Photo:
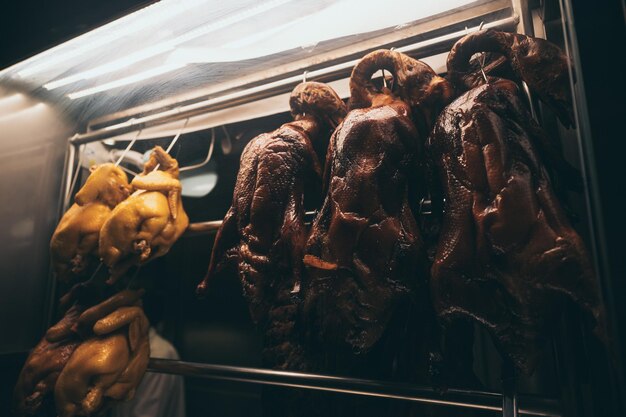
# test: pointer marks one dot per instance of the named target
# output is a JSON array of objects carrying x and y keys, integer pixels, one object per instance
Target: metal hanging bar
[
  {"x": 530, "y": 405},
  {"x": 420, "y": 49},
  {"x": 208, "y": 227}
]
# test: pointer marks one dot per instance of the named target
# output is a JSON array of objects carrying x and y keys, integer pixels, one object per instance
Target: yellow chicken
[
  {"x": 146, "y": 225},
  {"x": 37, "y": 381},
  {"x": 107, "y": 367},
  {"x": 75, "y": 240}
]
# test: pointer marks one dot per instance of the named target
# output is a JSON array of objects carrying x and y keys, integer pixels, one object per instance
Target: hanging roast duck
[
  {"x": 263, "y": 233},
  {"x": 506, "y": 251},
  {"x": 365, "y": 258}
]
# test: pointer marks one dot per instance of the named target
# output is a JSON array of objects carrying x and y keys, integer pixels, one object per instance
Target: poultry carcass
[
  {"x": 506, "y": 250},
  {"x": 365, "y": 259},
  {"x": 74, "y": 244},
  {"x": 539, "y": 63},
  {"x": 107, "y": 367},
  {"x": 263, "y": 233},
  {"x": 34, "y": 391},
  {"x": 146, "y": 225}
]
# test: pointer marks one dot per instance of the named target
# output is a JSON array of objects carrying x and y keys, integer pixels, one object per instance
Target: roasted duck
[
  {"x": 263, "y": 233},
  {"x": 148, "y": 223},
  {"x": 365, "y": 257},
  {"x": 506, "y": 252},
  {"x": 74, "y": 244},
  {"x": 35, "y": 387}
]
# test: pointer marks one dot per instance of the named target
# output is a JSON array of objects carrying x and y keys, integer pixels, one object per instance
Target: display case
[{"x": 201, "y": 79}]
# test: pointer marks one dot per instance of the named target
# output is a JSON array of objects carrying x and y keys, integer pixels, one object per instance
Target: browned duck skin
[
  {"x": 263, "y": 233},
  {"x": 365, "y": 257},
  {"x": 74, "y": 244},
  {"x": 506, "y": 251},
  {"x": 35, "y": 386},
  {"x": 541, "y": 64}
]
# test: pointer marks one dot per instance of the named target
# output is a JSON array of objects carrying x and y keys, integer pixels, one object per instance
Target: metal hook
[
  {"x": 304, "y": 76},
  {"x": 130, "y": 145},
  {"x": 208, "y": 157},
  {"x": 481, "y": 59},
  {"x": 173, "y": 142}
]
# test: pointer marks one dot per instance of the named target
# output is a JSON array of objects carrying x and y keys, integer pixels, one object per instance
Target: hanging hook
[
  {"x": 208, "y": 157},
  {"x": 304, "y": 76},
  {"x": 173, "y": 142},
  {"x": 481, "y": 57},
  {"x": 130, "y": 145}
]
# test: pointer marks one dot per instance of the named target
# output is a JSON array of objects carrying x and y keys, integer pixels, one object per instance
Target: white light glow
[
  {"x": 22, "y": 112},
  {"x": 167, "y": 46},
  {"x": 127, "y": 80},
  {"x": 151, "y": 16},
  {"x": 329, "y": 23},
  {"x": 12, "y": 99},
  {"x": 111, "y": 66}
]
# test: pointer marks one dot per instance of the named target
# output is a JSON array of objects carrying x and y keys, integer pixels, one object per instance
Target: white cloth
[{"x": 158, "y": 395}]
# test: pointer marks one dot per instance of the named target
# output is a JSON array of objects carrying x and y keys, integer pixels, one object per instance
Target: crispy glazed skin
[
  {"x": 146, "y": 225},
  {"x": 106, "y": 367},
  {"x": 75, "y": 240},
  {"x": 365, "y": 256},
  {"x": 506, "y": 249},
  {"x": 541, "y": 64},
  {"x": 263, "y": 233},
  {"x": 35, "y": 386}
]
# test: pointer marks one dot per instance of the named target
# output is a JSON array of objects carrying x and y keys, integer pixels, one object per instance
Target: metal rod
[
  {"x": 509, "y": 391},
  {"x": 420, "y": 49},
  {"x": 208, "y": 227},
  {"x": 531, "y": 405}
]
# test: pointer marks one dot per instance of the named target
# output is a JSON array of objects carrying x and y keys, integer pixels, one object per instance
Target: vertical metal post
[
  {"x": 509, "y": 390},
  {"x": 525, "y": 25}
]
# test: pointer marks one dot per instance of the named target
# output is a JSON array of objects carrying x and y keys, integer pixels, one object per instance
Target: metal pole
[{"x": 533, "y": 406}]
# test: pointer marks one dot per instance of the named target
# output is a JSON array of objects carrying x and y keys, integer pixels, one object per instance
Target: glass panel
[{"x": 180, "y": 45}]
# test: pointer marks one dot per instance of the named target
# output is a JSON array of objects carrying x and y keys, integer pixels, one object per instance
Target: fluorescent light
[
  {"x": 230, "y": 20},
  {"x": 167, "y": 45},
  {"x": 158, "y": 13},
  {"x": 127, "y": 80},
  {"x": 111, "y": 66}
]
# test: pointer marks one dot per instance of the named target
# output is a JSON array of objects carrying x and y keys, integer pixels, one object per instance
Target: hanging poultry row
[
  {"x": 361, "y": 288},
  {"x": 364, "y": 290},
  {"x": 97, "y": 354}
]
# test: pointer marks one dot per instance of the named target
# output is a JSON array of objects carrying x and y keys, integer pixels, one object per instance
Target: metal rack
[
  {"x": 508, "y": 402},
  {"x": 528, "y": 405}
]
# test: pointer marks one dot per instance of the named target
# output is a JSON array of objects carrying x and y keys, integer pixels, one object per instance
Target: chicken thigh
[
  {"x": 146, "y": 225},
  {"x": 74, "y": 244}
]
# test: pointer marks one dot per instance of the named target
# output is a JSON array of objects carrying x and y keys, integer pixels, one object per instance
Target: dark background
[{"x": 32, "y": 26}]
